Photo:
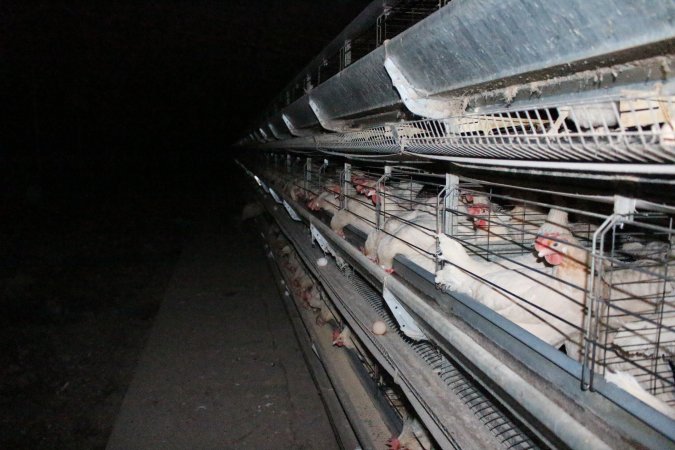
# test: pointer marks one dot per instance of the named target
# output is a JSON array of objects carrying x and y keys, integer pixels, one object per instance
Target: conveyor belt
[{"x": 504, "y": 429}]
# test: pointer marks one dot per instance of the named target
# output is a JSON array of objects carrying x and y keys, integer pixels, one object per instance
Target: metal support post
[
  {"x": 308, "y": 173},
  {"x": 380, "y": 207},
  {"x": 450, "y": 204},
  {"x": 345, "y": 189},
  {"x": 322, "y": 170}
]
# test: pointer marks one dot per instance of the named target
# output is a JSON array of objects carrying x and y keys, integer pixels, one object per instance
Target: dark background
[
  {"x": 114, "y": 148},
  {"x": 91, "y": 85}
]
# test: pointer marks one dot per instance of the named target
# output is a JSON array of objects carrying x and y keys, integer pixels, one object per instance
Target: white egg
[
  {"x": 321, "y": 262},
  {"x": 379, "y": 328}
]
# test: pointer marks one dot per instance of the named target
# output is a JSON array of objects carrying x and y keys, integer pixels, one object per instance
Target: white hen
[
  {"x": 547, "y": 307},
  {"x": 360, "y": 215},
  {"x": 374, "y": 238},
  {"x": 325, "y": 201},
  {"x": 629, "y": 384},
  {"x": 413, "y": 436},
  {"x": 414, "y": 238},
  {"x": 645, "y": 349},
  {"x": 590, "y": 116}
]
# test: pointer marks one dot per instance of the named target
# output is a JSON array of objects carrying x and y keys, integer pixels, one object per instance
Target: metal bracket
[
  {"x": 346, "y": 188},
  {"x": 624, "y": 206},
  {"x": 308, "y": 169},
  {"x": 394, "y": 134},
  {"x": 323, "y": 167},
  {"x": 325, "y": 246},
  {"x": 450, "y": 202},
  {"x": 319, "y": 239},
  {"x": 408, "y": 325},
  {"x": 379, "y": 220},
  {"x": 411, "y": 97},
  {"x": 291, "y": 212},
  {"x": 328, "y": 124},
  {"x": 295, "y": 131},
  {"x": 275, "y": 196}
]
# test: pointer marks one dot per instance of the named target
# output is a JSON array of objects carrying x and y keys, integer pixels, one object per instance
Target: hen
[
  {"x": 548, "y": 306},
  {"x": 413, "y": 437},
  {"x": 358, "y": 214},
  {"x": 414, "y": 238}
]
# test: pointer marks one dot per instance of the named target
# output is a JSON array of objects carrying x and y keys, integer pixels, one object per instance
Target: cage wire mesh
[
  {"x": 629, "y": 129},
  {"x": 403, "y": 15},
  {"x": 579, "y": 277},
  {"x": 633, "y": 325}
]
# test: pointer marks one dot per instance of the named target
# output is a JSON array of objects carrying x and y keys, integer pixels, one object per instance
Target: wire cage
[
  {"x": 627, "y": 129},
  {"x": 581, "y": 273},
  {"x": 363, "y": 44},
  {"x": 604, "y": 293},
  {"x": 393, "y": 21},
  {"x": 632, "y": 327},
  {"x": 407, "y": 218},
  {"x": 403, "y": 15},
  {"x": 379, "y": 139},
  {"x": 499, "y": 422}
]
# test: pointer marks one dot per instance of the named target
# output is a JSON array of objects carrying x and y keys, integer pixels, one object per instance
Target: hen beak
[
  {"x": 543, "y": 246},
  {"x": 481, "y": 223}
]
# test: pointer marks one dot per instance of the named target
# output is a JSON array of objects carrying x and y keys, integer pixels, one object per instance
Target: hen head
[
  {"x": 338, "y": 338},
  {"x": 394, "y": 444},
  {"x": 313, "y": 204},
  {"x": 479, "y": 211},
  {"x": 551, "y": 247},
  {"x": 334, "y": 188},
  {"x": 372, "y": 194},
  {"x": 360, "y": 184}
]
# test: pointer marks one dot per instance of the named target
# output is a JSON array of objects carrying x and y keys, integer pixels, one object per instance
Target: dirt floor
[
  {"x": 222, "y": 367},
  {"x": 85, "y": 264},
  {"x": 82, "y": 273}
]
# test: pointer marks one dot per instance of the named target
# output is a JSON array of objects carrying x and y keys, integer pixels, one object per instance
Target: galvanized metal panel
[
  {"x": 359, "y": 25},
  {"x": 360, "y": 89},
  {"x": 470, "y": 45},
  {"x": 300, "y": 114},
  {"x": 278, "y": 126}
]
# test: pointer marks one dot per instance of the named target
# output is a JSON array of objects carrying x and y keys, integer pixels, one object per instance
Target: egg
[
  {"x": 321, "y": 262},
  {"x": 379, "y": 328}
]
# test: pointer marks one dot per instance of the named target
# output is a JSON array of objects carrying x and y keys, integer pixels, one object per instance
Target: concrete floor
[{"x": 222, "y": 367}]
